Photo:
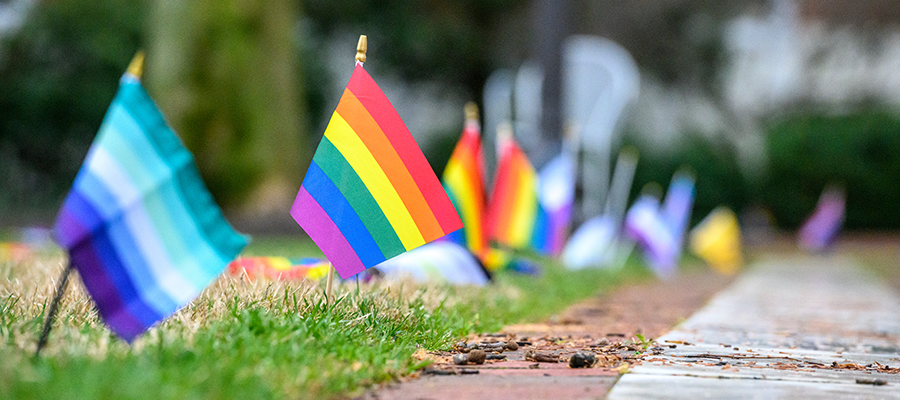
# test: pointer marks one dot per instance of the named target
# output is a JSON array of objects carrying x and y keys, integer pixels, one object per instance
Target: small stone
[
  {"x": 602, "y": 342},
  {"x": 512, "y": 345},
  {"x": 532, "y": 355},
  {"x": 582, "y": 359},
  {"x": 492, "y": 356},
  {"x": 460, "y": 359},
  {"x": 477, "y": 356}
]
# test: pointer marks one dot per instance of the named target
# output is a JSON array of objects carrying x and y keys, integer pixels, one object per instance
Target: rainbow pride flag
[
  {"x": 514, "y": 212},
  {"x": 139, "y": 225},
  {"x": 279, "y": 268},
  {"x": 369, "y": 193},
  {"x": 464, "y": 183}
]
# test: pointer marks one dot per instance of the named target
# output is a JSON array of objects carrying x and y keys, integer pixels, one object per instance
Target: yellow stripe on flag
[
  {"x": 358, "y": 156},
  {"x": 455, "y": 174},
  {"x": 524, "y": 211}
]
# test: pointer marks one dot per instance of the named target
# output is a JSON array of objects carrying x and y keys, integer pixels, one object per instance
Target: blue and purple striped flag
[{"x": 139, "y": 224}]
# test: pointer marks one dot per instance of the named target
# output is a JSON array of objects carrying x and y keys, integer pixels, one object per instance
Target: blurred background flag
[
  {"x": 369, "y": 193},
  {"x": 676, "y": 207},
  {"x": 279, "y": 268},
  {"x": 823, "y": 226},
  {"x": 463, "y": 180},
  {"x": 139, "y": 225},
  {"x": 514, "y": 212},
  {"x": 556, "y": 192},
  {"x": 590, "y": 244},
  {"x": 717, "y": 240},
  {"x": 645, "y": 225}
]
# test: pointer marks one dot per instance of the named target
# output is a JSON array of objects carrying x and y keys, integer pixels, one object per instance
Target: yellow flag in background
[{"x": 717, "y": 240}]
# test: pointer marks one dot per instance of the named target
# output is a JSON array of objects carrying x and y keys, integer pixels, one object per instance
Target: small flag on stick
[
  {"x": 823, "y": 226},
  {"x": 464, "y": 182},
  {"x": 645, "y": 225},
  {"x": 717, "y": 240},
  {"x": 139, "y": 224},
  {"x": 514, "y": 211},
  {"x": 369, "y": 193}
]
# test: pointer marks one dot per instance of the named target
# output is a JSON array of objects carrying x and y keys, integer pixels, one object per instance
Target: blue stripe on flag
[{"x": 347, "y": 220}]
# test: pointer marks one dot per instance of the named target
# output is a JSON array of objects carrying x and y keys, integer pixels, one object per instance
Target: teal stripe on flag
[
  {"x": 198, "y": 201},
  {"x": 152, "y": 179}
]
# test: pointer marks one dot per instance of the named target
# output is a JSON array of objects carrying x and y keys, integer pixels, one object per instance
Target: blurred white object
[
  {"x": 590, "y": 244},
  {"x": 600, "y": 79},
  {"x": 598, "y": 242},
  {"x": 440, "y": 261}
]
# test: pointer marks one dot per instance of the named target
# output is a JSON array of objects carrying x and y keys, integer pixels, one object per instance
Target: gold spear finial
[
  {"x": 361, "y": 48},
  {"x": 471, "y": 110},
  {"x": 136, "y": 67}
]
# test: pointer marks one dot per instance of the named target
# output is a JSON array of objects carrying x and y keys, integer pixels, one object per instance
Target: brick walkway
[{"x": 651, "y": 309}]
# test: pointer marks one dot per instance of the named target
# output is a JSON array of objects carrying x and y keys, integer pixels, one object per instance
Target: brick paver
[{"x": 650, "y": 308}]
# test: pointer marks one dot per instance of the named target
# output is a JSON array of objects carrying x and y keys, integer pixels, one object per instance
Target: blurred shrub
[
  {"x": 57, "y": 76},
  {"x": 719, "y": 180},
  {"x": 860, "y": 151}
]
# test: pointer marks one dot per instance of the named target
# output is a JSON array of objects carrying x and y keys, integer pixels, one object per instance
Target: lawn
[{"x": 262, "y": 339}]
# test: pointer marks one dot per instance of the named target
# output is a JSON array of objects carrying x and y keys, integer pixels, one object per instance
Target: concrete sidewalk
[{"x": 803, "y": 327}]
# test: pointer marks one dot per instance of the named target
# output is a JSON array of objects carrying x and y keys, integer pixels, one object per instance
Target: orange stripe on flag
[
  {"x": 375, "y": 140},
  {"x": 374, "y": 100}
]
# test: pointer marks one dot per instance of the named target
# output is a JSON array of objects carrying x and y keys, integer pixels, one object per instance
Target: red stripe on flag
[
  {"x": 373, "y": 99},
  {"x": 387, "y": 158}
]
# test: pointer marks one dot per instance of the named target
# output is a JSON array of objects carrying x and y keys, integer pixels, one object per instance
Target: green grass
[{"x": 263, "y": 339}]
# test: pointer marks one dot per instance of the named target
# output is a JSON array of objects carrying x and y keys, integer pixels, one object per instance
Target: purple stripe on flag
[
  {"x": 322, "y": 230},
  {"x": 97, "y": 261},
  {"x": 559, "y": 225},
  {"x": 102, "y": 289}
]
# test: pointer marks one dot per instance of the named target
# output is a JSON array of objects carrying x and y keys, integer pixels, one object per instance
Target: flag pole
[
  {"x": 361, "y": 48},
  {"x": 328, "y": 284},
  {"x": 54, "y": 307}
]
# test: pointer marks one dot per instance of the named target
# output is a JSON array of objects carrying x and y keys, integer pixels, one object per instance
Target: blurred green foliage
[
  {"x": 858, "y": 150},
  {"x": 444, "y": 40},
  {"x": 719, "y": 180},
  {"x": 225, "y": 73},
  {"x": 59, "y": 73},
  {"x": 57, "y": 76}
]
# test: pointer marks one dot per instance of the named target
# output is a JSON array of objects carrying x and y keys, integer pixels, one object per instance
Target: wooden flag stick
[
  {"x": 54, "y": 307},
  {"x": 328, "y": 284},
  {"x": 361, "y": 48}
]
